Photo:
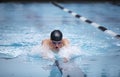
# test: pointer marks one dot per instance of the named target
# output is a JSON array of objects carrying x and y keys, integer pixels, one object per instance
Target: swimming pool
[{"x": 25, "y": 25}]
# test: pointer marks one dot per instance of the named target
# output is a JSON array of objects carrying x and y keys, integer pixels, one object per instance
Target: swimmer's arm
[
  {"x": 66, "y": 42},
  {"x": 44, "y": 42}
]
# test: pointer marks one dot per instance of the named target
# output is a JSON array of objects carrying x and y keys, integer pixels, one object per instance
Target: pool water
[{"x": 24, "y": 25}]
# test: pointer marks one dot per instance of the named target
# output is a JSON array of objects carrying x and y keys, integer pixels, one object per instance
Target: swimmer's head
[{"x": 56, "y": 35}]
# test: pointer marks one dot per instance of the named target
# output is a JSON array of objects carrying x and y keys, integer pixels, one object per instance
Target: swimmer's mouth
[{"x": 56, "y": 47}]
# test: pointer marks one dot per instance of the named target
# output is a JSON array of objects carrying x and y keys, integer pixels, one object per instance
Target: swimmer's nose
[{"x": 57, "y": 46}]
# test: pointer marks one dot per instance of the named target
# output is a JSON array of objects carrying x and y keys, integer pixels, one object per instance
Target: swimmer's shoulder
[
  {"x": 66, "y": 42},
  {"x": 45, "y": 41}
]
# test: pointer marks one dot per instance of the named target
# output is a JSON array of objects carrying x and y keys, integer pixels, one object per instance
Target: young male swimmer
[
  {"x": 55, "y": 43},
  {"x": 56, "y": 48}
]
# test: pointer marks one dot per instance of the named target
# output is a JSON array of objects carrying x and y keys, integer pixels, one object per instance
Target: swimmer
[{"x": 56, "y": 42}]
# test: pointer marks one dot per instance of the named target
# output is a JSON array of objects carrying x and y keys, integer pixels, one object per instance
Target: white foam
[
  {"x": 67, "y": 52},
  {"x": 7, "y": 52},
  {"x": 43, "y": 52},
  {"x": 70, "y": 51}
]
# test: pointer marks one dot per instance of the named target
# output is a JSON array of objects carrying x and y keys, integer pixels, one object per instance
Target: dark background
[
  {"x": 58, "y": 0},
  {"x": 116, "y": 2}
]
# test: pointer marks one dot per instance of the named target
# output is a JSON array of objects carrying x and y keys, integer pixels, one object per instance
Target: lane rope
[{"x": 84, "y": 19}]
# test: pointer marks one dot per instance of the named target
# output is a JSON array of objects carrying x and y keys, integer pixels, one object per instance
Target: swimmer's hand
[{"x": 65, "y": 60}]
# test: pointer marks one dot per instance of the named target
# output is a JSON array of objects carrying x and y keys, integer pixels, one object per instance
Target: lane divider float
[{"x": 84, "y": 19}]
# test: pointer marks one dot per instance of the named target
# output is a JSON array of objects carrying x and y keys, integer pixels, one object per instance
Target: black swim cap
[{"x": 56, "y": 35}]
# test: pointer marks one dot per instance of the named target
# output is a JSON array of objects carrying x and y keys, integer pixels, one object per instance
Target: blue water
[{"x": 23, "y": 26}]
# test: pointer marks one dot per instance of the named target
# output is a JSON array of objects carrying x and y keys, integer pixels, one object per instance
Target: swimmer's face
[{"x": 57, "y": 44}]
